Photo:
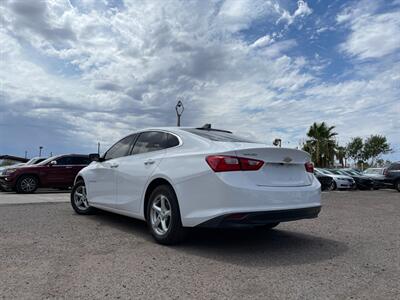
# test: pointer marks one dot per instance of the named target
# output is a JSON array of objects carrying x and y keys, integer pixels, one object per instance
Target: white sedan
[{"x": 174, "y": 178}]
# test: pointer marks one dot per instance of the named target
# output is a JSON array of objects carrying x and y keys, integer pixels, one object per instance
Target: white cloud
[
  {"x": 262, "y": 42},
  {"x": 373, "y": 36},
  {"x": 302, "y": 10}
]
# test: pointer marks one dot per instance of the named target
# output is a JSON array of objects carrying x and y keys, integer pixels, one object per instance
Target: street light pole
[
  {"x": 179, "y": 111},
  {"x": 278, "y": 142},
  {"x": 40, "y": 151}
]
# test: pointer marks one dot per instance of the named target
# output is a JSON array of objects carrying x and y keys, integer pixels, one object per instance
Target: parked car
[
  {"x": 54, "y": 172},
  {"x": 362, "y": 182},
  {"x": 392, "y": 175},
  {"x": 339, "y": 181},
  {"x": 377, "y": 174},
  {"x": 327, "y": 182},
  {"x": 174, "y": 178},
  {"x": 32, "y": 161}
]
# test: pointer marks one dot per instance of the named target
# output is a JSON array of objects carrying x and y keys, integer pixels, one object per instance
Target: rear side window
[
  {"x": 121, "y": 148},
  {"x": 172, "y": 141},
  {"x": 218, "y": 136},
  {"x": 150, "y": 141}
]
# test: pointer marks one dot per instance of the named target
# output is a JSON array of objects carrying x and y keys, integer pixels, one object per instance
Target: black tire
[
  {"x": 269, "y": 226},
  {"x": 79, "y": 203},
  {"x": 174, "y": 232},
  {"x": 27, "y": 184},
  {"x": 397, "y": 185},
  {"x": 332, "y": 186}
]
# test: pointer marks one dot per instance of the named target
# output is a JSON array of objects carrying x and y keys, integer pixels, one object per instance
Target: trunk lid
[{"x": 282, "y": 166}]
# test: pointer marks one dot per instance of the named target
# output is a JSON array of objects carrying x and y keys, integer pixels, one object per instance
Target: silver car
[{"x": 339, "y": 181}]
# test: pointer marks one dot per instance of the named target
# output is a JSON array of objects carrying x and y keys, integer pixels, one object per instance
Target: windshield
[
  {"x": 31, "y": 161},
  {"x": 46, "y": 161},
  {"x": 353, "y": 172},
  {"x": 337, "y": 172},
  {"x": 326, "y": 172},
  {"x": 35, "y": 160},
  {"x": 218, "y": 136},
  {"x": 374, "y": 171}
]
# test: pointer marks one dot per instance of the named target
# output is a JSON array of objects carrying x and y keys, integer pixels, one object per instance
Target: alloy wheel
[
  {"x": 160, "y": 215},
  {"x": 28, "y": 184},
  {"x": 80, "y": 198}
]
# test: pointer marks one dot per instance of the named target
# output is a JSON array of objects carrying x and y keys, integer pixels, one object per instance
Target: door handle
[
  {"x": 68, "y": 167},
  {"x": 149, "y": 162},
  {"x": 114, "y": 165}
]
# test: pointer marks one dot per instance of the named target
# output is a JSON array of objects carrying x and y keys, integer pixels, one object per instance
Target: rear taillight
[
  {"x": 222, "y": 163},
  {"x": 309, "y": 167}
]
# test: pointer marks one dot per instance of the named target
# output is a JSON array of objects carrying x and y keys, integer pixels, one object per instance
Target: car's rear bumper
[
  {"x": 211, "y": 195},
  {"x": 250, "y": 219}
]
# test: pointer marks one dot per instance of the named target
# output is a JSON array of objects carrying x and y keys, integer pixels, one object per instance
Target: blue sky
[{"x": 73, "y": 73}]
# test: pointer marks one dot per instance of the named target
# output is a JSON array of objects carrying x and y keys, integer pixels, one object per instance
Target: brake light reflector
[
  {"x": 223, "y": 163},
  {"x": 250, "y": 164},
  {"x": 309, "y": 167}
]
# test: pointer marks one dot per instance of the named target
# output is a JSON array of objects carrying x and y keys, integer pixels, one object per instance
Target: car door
[
  {"x": 59, "y": 173},
  {"x": 101, "y": 178},
  {"x": 134, "y": 171}
]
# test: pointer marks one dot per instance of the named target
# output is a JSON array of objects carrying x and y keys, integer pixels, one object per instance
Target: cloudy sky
[{"x": 73, "y": 73}]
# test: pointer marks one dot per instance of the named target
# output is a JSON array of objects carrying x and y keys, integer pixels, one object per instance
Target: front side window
[
  {"x": 150, "y": 141},
  {"x": 64, "y": 161},
  {"x": 80, "y": 160},
  {"x": 121, "y": 148}
]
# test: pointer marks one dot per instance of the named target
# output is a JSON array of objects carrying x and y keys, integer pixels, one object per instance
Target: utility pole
[
  {"x": 40, "y": 151},
  {"x": 98, "y": 148},
  {"x": 179, "y": 111},
  {"x": 26, "y": 154}
]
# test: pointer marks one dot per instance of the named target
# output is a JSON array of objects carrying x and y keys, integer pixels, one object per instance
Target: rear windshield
[{"x": 218, "y": 136}]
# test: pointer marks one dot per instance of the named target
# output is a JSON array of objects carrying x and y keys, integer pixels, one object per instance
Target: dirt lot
[{"x": 350, "y": 252}]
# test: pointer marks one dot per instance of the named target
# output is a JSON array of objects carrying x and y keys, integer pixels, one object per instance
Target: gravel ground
[{"x": 350, "y": 252}]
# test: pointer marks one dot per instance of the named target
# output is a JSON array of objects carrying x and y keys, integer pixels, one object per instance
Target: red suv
[{"x": 54, "y": 172}]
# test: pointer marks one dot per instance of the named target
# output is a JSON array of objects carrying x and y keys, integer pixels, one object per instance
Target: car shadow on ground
[
  {"x": 41, "y": 191},
  {"x": 257, "y": 247},
  {"x": 248, "y": 247}
]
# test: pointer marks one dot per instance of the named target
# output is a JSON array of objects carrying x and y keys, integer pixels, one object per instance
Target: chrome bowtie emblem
[{"x": 287, "y": 159}]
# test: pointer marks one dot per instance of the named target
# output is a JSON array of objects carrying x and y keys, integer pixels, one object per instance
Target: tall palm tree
[
  {"x": 341, "y": 155},
  {"x": 321, "y": 144}
]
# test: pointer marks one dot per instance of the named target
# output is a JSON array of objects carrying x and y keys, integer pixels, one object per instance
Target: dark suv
[
  {"x": 54, "y": 172},
  {"x": 392, "y": 175}
]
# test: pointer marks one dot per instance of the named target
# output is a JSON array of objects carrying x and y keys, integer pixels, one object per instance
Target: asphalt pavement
[{"x": 350, "y": 252}]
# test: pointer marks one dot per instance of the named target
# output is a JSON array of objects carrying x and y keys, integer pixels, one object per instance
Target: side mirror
[
  {"x": 53, "y": 163},
  {"x": 94, "y": 157}
]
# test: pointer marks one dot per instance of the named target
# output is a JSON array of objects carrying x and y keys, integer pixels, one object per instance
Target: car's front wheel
[
  {"x": 332, "y": 186},
  {"x": 163, "y": 216},
  {"x": 27, "y": 184},
  {"x": 79, "y": 199}
]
